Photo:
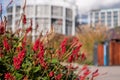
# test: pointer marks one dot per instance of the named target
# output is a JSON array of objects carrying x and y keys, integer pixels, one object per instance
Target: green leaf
[
  {"x": 45, "y": 78},
  {"x": 36, "y": 69},
  {"x": 18, "y": 76},
  {"x": 55, "y": 60}
]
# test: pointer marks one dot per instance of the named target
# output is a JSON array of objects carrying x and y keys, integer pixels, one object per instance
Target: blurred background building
[
  {"x": 107, "y": 17},
  {"x": 44, "y": 13}
]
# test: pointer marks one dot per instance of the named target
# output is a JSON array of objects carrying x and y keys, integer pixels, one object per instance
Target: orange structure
[{"x": 100, "y": 55}]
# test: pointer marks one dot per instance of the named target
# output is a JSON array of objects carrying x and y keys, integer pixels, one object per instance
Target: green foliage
[{"x": 30, "y": 66}]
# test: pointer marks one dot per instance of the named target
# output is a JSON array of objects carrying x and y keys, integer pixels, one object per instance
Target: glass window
[
  {"x": 69, "y": 14},
  {"x": 29, "y": 10},
  {"x": 68, "y": 27},
  {"x": 115, "y": 12},
  {"x": 9, "y": 17},
  {"x": 91, "y": 15},
  {"x": 9, "y": 9},
  {"x": 96, "y": 14},
  {"x": 96, "y": 17},
  {"x": 108, "y": 13},
  {"x": 17, "y": 15},
  {"x": 57, "y": 25},
  {"x": 57, "y": 11},
  {"x": 102, "y": 15},
  {"x": 43, "y": 24},
  {"x": 43, "y": 10},
  {"x": 115, "y": 22},
  {"x": 109, "y": 19},
  {"x": 18, "y": 9}
]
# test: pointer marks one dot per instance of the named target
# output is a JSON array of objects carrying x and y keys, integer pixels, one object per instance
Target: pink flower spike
[
  {"x": 8, "y": 76},
  {"x": 51, "y": 74}
]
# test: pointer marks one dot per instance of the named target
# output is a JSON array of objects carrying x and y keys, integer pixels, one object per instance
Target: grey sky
[
  {"x": 92, "y": 4},
  {"x": 85, "y": 5}
]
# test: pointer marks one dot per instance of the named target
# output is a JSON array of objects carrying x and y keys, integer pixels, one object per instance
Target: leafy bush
[{"x": 20, "y": 59}]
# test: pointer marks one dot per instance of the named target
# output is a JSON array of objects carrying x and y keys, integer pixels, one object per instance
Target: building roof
[
  {"x": 50, "y": 2},
  {"x": 104, "y": 10}
]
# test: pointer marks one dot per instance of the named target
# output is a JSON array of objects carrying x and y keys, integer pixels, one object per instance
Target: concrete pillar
[
  {"x": 50, "y": 17},
  {"x": 34, "y": 23},
  {"x": 112, "y": 23},
  {"x": 93, "y": 19},
  {"x": 89, "y": 18},
  {"x": 64, "y": 21},
  {"x": 13, "y": 17},
  {"x": 73, "y": 21},
  {"x": 118, "y": 17},
  {"x": 106, "y": 24}
]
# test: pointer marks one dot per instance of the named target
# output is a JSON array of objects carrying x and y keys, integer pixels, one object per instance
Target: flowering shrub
[{"x": 24, "y": 60}]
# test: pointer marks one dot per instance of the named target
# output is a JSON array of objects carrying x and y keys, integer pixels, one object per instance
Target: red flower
[
  {"x": 51, "y": 74},
  {"x": 75, "y": 54},
  {"x": 84, "y": 67},
  {"x": 29, "y": 29},
  {"x": 2, "y": 28},
  {"x": 63, "y": 49},
  {"x": 75, "y": 41},
  {"x": 82, "y": 77},
  {"x": 95, "y": 73},
  {"x": 8, "y": 76},
  {"x": 87, "y": 72},
  {"x": 21, "y": 55},
  {"x": 43, "y": 63},
  {"x": 17, "y": 61},
  {"x": 70, "y": 59},
  {"x": 6, "y": 45},
  {"x": 83, "y": 56},
  {"x": 24, "y": 20},
  {"x": 1, "y": 55},
  {"x": 18, "y": 49},
  {"x": 77, "y": 49},
  {"x": 63, "y": 45},
  {"x": 24, "y": 41},
  {"x": 59, "y": 53},
  {"x": 25, "y": 78},
  {"x": 58, "y": 77},
  {"x": 41, "y": 53},
  {"x": 36, "y": 45}
]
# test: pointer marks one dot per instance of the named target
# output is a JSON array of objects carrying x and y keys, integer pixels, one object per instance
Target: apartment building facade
[
  {"x": 107, "y": 17},
  {"x": 45, "y": 13}
]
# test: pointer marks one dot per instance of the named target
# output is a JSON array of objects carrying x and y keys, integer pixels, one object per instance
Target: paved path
[
  {"x": 110, "y": 72},
  {"x": 106, "y": 72}
]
